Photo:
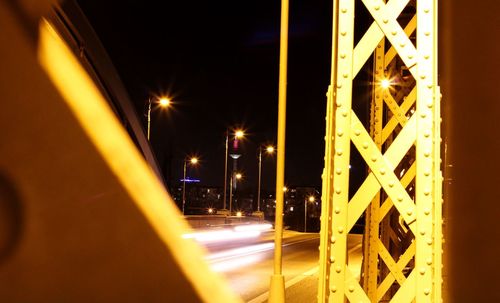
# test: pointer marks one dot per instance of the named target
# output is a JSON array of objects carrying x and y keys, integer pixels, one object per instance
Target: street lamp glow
[
  {"x": 239, "y": 134},
  {"x": 193, "y": 160},
  {"x": 164, "y": 102},
  {"x": 385, "y": 83},
  {"x": 270, "y": 149},
  {"x": 238, "y": 176},
  {"x": 238, "y": 214},
  {"x": 285, "y": 189},
  {"x": 311, "y": 198}
]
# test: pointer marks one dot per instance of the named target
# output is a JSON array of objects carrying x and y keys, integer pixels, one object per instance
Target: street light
[
  {"x": 235, "y": 176},
  {"x": 163, "y": 102},
  {"x": 269, "y": 150},
  {"x": 192, "y": 161},
  {"x": 238, "y": 134},
  {"x": 310, "y": 199},
  {"x": 385, "y": 83}
]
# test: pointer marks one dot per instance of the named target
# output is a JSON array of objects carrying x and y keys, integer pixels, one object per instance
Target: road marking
[{"x": 263, "y": 297}]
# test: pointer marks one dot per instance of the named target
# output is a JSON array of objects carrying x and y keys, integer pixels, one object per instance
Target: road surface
[{"x": 248, "y": 264}]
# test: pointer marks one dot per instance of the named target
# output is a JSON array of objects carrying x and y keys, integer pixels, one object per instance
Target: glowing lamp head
[
  {"x": 385, "y": 83},
  {"x": 210, "y": 210},
  {"x": 238, "y": 176},
  {"x": 164, "y": 102},
  {"x": 239, "y": 134},
  {"x": 239, "y": 214},
  {"x": 311, "y": 199},
  {"x": 193, "y": 160},
  {"x": 285, "y": 189},
  {"x": 270, "y": 149}
]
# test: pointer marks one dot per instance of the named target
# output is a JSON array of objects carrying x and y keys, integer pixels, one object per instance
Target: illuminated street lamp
[
  {"x": 163, "y": 102},
  {"x": 236, "y": 176},
  {"x": 269, "y": 150},
  {"x": 385, "y": 83},
  {"x": 309, "y": 199},
  {"x": 192, "y": 161},
  {"x": 238, "y": 134}
]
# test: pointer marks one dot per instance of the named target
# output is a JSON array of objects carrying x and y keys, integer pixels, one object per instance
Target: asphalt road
[{"x": 248, "y": 264}]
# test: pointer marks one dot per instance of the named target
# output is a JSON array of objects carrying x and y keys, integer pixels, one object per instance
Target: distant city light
[{"x": 188, "y": 180}]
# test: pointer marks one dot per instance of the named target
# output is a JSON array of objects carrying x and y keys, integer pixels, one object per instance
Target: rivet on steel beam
[
  {"x": 402, "y": 44},
  {"x": 345, "y": 75},
  {"x": 340, "y": 132},
  {"x": 340, "y": 229},
  {"x": 332, "y": 259},
  {"x": 394, "y": 33},
  {"x": 338, "y": 190},
  {"x": 342, "y": 56},
  {"x": 427, "y": 153},
  {"x": 374, "y": 158},
  {"x": 385, "y": 21},
  {"x": 382, "y": 171},
  {"x": 427, "y": 291},
  {"x": 429, "y": 241},
  {"x": 410, "y": 57},
  {"x": 422, "y": 232},
  {"x": 338, "y": 269},
  {"x": 422, "y": 77},
  {"x": 426, "y": 10},
  {"x": 357, "y": 132},
  {"x": 427, "y": 133},
  {"x": 344, "y": 10},
  {"x": 422, "y": 270},
  {"x": 339, "y": 152},
  {"x": 423, "y": 115},
  {"x": 339, "y": 85},
  {"x": 391, "y": 183},
  {"x": 339, "y": 103},
  {"x": 344, "y": 113},
  {"x": 426, "y": 57},
  {"x": 427, "y": 33},
  {"x": 365, "y": 145},
  {"x": 351, "y": 288},
  {"x": 338, "y": 171},
  {"x": 337, "y": 210},
  {"x": 377, "y": 7},
  {"x": 400, "y": 199},
  {"x": 409, "y": 212},
  {"x": 334, "y": 288},
  {"x": 333, "y": 240},
  {"x": 429, "y": 86},
  {"x": 429, "y": 261},
  {"x": 427, "y": 211}
]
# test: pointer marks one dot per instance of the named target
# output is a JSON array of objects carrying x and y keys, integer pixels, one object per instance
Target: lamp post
[
  {"x": 277, "y": 286},
  {"x": 269, "y": 150},
  {"x": 163, "y": 102},
  {"x": 234, "y": 177},
  {"x": 193, "y": 161},
  {"x": 237, "y": 135},
  {"x": 310, "y": 199}
]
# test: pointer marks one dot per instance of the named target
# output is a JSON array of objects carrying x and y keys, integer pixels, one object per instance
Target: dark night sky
[{"x": 218, "y": 60}]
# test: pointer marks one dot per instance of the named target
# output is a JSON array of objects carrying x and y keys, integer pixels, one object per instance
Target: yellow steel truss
[{"x": 401, "y": 194}]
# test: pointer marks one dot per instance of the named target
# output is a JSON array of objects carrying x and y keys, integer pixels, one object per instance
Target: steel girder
[{"x": 401, "y": 196}]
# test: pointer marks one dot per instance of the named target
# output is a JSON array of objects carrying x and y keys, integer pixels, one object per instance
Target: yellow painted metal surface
[
  {"x": 96, "y": 224},
  {"x": 401, "y": 196}
]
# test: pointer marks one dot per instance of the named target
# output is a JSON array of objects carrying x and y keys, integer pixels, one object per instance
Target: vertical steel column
[{"x": 402, "y": 192}]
